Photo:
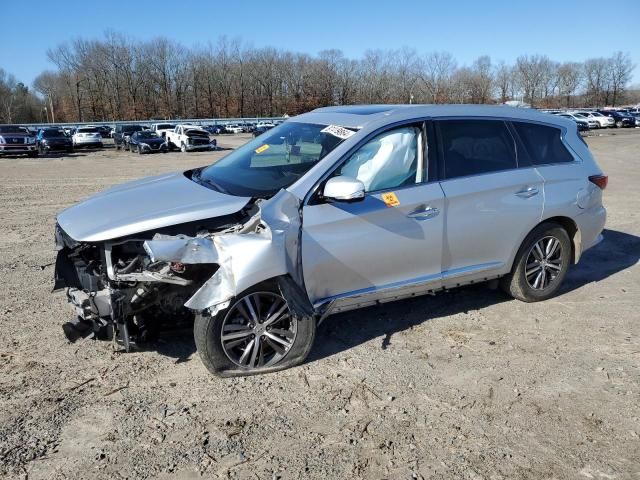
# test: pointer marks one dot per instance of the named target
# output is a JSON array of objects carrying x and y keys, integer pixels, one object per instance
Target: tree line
[{"x": 119, "y": 78}]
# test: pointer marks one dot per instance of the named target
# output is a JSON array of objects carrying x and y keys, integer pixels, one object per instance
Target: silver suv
[{"x": 333, "y": 210}]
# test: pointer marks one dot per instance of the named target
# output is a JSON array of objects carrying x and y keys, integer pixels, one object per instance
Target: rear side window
[
  {"x": 474, "y": 147},
  {"x": 543, "y": 143}
]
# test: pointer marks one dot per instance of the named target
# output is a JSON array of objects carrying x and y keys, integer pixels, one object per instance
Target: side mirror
[{"x": 343, "y": 188}]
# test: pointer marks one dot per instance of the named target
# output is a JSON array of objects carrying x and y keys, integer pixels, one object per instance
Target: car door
[
  {"x": 388, "y": 243},
  {"x": 490, "y": 204}
]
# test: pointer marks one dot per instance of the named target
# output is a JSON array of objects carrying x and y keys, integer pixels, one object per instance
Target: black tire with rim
[
  {"x": 183, "y": 148},
  {"x": 257, "y": 333},
  {"x": 139, "y": 150},
  {"x": 540, "y": 265}
]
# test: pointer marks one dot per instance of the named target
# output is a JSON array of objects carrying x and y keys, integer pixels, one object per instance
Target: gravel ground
[{"x": 467, "y": 384}]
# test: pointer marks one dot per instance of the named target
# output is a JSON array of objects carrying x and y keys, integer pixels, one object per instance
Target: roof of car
[{"x": 358, "y": 116}]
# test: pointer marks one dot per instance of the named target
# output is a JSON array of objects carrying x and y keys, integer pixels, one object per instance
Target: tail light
[{"x": 600, "y": 180}]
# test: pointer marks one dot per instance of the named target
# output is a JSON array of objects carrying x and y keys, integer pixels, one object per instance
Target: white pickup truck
[
  {"x": 188, "y": 138},
  {"x": 162, "y": 128}
]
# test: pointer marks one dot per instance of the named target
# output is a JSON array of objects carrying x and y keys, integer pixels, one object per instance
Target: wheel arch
[
  {"x": 574, "y": 234},
  {"x": 572, "y": 230}
]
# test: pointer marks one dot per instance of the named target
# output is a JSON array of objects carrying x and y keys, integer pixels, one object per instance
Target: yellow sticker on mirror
[
  {"x": 390, "y": 199},
  {"x": 261, "y": 149}
]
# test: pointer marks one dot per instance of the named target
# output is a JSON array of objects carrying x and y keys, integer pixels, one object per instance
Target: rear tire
[
  {"x": 540, "y": 265},
  {"x": 233, "y": 358}
]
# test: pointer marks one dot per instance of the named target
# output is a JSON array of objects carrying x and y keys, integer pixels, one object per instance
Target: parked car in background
[
  {"x": 620, "y": 119},
  {"x": 265, "y": 124},
  {"x": 582, "y": 124},
  {"x": 162, "y": 128},
  {"x": 213, "y": 129},
  {"x": 334, "y": 210},
  {"x": 147, "y": 141},
  {"x": 592, "y": 122},
  {"x": 188, "y": 138},
  {"x": 87, "y": 137},
  {"x": 17, "y": 140},
  {"x": 233, "y": 128},
  {"x": 104, "y": 130},
  {"x": 53, "y": 140},
  {"x": 260, "y": 130},
  {"x": 636, "y": 115},
  {"x": 122, "y": 134},
  {"x": 603, "y": 120}
]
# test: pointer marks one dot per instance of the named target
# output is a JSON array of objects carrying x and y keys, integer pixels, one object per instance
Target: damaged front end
[{"x": 129, "y": 288}]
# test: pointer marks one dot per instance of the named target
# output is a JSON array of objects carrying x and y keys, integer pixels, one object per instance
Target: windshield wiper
[
  {"x": 196, "y": 176},
  {"x": 214, "y": 185}
]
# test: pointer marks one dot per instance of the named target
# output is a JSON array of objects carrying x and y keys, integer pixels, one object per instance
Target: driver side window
[{"x": 390, "y": 160}]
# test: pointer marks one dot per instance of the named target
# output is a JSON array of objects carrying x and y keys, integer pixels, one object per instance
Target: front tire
[
  {"x": 183, "y": 148},
  {"x": 540, "y": 265},
  {"x": 257, "y": 333},
  {"x": 139, "y": 150}
]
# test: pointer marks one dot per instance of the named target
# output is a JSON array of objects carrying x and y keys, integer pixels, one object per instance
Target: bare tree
[
  {"x": 621, "y": 68},
  {"x": 504, "y": 80},
  {"x": 570, "y": 76},
  {"x": 119, "y": 78}
]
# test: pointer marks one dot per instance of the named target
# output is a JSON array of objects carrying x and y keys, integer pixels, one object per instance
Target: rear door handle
[
  {"x": 424, "y": 213},
  {"x": 527, "y": 192}
]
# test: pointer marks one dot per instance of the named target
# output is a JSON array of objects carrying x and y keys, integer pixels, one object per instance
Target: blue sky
[{"x": 561, "y": 29}]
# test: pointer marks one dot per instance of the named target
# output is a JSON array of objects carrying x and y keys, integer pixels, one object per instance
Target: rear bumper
[{"x": 591, "y": 223}]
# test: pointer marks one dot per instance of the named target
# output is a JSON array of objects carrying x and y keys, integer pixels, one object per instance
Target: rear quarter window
[{"x": 543, "y": 143}]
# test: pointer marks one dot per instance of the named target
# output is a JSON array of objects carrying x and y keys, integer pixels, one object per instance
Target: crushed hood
[{"x": 146, "y": 204}]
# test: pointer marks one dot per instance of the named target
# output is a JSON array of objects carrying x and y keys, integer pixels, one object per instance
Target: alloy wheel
[
  {"x": 544, "y": 263},
  {"x": 258, "y": 330}
]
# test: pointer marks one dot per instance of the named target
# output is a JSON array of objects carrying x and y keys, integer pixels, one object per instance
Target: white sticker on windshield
[{"x": 337, "y": 131}]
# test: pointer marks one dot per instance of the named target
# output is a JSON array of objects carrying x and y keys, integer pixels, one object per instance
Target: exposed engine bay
[
  {"x": 119, "y": 293},
  {"x": 129, "y": 288}
]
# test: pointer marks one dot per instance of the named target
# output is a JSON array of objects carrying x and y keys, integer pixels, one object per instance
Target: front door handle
[
  {"x": 424, "y": 213},
  {"x": 527, "y": 192}
]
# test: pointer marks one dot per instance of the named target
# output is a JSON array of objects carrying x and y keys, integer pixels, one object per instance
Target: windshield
[
  {"x": 196, "y": 132},
  {"x": 131, "y": 128},
  {"x": 147, "y": 134},
  {"x": 13, "y": 129},
  {"x": 272, "y": 161},
  {"x": 53, "y": 133}
]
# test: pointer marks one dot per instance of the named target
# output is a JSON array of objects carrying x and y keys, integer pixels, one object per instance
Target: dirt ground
[{"x": 467, "y": 384}]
